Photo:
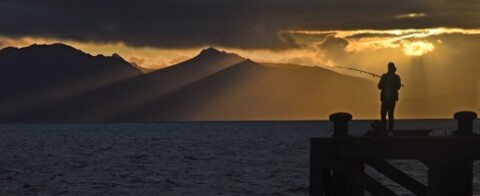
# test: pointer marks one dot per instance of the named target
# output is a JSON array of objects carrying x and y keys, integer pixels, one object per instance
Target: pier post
[
  {"x": 340, "y": 123},
  {"x": 453, "y": 177},
  {"x": 316, "y": 183},
  {"x": 329, "y": 181},
  {"x": 345, "y": 176},
  {"x": 465, "y": 122}
]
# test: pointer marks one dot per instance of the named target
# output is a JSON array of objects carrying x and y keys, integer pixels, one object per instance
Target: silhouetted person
[{"x": 389, "y": 84}]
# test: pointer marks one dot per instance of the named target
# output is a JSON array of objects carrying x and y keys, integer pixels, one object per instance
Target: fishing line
[{"x": 361, "y": 71}]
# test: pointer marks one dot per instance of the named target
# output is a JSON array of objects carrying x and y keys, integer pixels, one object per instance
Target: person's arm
[
  {"x": 380, "y": 84},
  {"x": 399, "y": 83}
]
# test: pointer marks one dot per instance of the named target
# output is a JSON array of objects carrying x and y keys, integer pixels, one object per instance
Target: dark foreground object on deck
[{"x": 337, "y": 164}]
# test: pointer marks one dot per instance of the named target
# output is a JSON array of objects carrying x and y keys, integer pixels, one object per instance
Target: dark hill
[
  {"x": 104, "y": 103},
  {"x": 43, "y": 74},
  {"x": 252, "y": 91},
  {"x": 213, "y": 85}
]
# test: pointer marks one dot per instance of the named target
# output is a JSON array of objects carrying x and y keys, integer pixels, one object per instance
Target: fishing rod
[{"x": 361, "y": 71}]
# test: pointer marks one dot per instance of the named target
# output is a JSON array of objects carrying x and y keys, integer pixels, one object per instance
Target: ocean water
[{"x": 207, "y": 158}]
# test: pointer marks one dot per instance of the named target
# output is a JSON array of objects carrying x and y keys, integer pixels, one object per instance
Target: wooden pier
[{"x": 337, "y": 164}]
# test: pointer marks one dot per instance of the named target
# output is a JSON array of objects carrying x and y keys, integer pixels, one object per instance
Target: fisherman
[{"x": 389, "y": 85}]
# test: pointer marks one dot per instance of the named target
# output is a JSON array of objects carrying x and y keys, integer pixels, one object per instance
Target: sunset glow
[{"x": 312, "y": 48}]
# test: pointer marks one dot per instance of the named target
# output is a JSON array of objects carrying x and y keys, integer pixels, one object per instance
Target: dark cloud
[
  {"x": 334, "y": 47},
  {"x": 228, "y": 23},
  {"x": 333, "y": 43}
]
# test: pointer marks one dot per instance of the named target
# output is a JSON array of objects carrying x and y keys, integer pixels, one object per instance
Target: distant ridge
[
  {"x": 251, "y": 91},
  {"x": 213, "y": 85},
  {"x": 43, "y": 74}
]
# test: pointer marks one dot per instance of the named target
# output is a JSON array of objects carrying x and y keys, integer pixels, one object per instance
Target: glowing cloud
[
  {"x": 411, "y": 41},
  {"x": 417, "y": 48}
]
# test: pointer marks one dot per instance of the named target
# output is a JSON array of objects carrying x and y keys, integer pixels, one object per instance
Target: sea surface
[{"x": 198, "y": 158}]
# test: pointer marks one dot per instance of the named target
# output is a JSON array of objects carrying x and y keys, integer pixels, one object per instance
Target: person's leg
[
  {"x": 391, "y": 118},
  {"x": 383, "y": 115}
]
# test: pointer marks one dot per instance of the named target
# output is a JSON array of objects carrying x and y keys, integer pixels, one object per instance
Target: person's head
[{"x": 391, "y": 67}]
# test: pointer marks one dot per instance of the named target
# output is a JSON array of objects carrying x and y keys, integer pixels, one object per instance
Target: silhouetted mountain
[
  {"x": 214, "y": 85},
  {"x": 42, "y": 74},
  {"x": 252, "y": 91},
  {"x": 103, "y": 103},
  {"x": 142, "y": 69}
]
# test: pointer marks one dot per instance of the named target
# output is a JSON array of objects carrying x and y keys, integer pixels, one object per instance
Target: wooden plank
[
  {"x": 399, "y": 147},
  {"x": 398, "y": 176}
]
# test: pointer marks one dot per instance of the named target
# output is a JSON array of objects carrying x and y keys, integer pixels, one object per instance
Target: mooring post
[
  {"x": 347, "y": 175},
  {"x": 321, "y": 179},
  {"x": 453, "y": 177},
  {"x": 340, "y": 123},
  {"x": 465, "y": 122}
]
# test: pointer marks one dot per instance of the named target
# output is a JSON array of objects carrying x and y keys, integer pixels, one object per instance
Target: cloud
[
  {"x": 137, "y": 60},
  {"x": 414, "y": 42},
  {"x": 243, "y": 24},
  {"x": 410, "y": 15},
  {"x": 333, "y": 43},
  {"x": 417, "y": 48}
]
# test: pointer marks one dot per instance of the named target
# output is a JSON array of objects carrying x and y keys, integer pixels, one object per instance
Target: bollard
[
  {"x": 465, "y": 122},
  {"x": 340, "y": 123}
]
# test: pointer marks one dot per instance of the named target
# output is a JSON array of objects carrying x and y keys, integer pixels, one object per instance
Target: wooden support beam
[
  {"x": 418, "y": 148},
  {"x": 375, "y": 188},
  {"x": 398, "y": 176}
]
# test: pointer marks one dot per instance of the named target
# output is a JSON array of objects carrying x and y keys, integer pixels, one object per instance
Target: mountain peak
[
  {"x": 115, "y": 55},
  {"x": 211, "y": 51},
  {"x": 249, "y": 61}
]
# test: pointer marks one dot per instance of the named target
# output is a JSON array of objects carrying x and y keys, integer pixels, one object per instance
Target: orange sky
[
  {"x": 433, "y": 63},
  {"x": 312, "y": 47}
]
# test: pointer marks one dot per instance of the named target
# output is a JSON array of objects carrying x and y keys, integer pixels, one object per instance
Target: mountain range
[{"x": 58, "y": 83}]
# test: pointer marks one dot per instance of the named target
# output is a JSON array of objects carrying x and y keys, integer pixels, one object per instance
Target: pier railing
[{"x": 337, "y": 164}]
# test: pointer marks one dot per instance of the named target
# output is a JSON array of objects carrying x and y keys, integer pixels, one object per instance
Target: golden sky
[
  {"x": 433, "y": 43},
  {"x": 312, "y": 48}
]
